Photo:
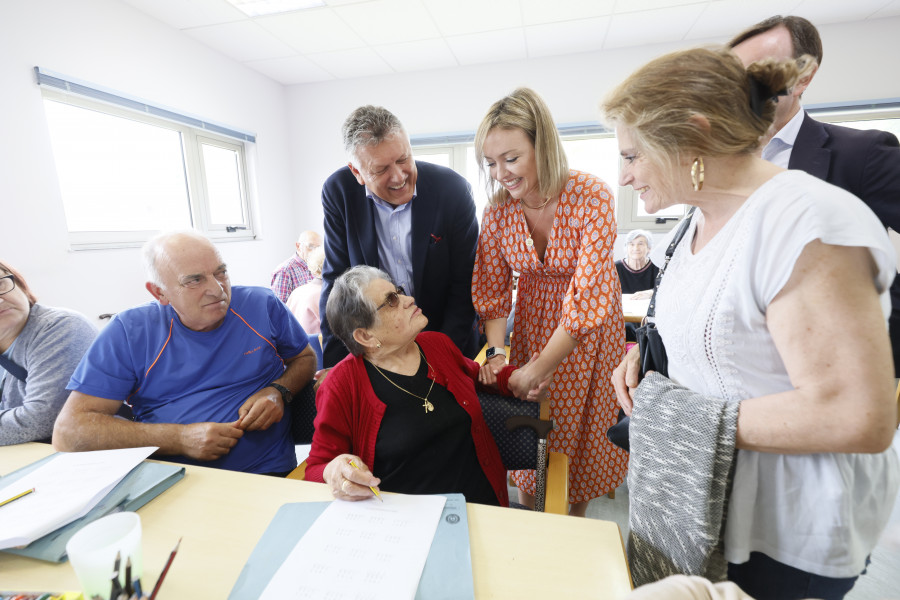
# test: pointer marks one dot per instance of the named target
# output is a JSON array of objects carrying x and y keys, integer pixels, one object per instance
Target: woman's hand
[
  {"x": 528, "y": 383},
  {"x": 625, "y": 378},
  {"x": 347, "y": 483},
  {"x": 487, "y": 375}
]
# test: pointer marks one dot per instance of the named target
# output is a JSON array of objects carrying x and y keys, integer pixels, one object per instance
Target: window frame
[{"x": 192, "y": 139}]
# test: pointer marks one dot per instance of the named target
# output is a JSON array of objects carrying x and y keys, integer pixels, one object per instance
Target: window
[{"x": 125, "y": 174}]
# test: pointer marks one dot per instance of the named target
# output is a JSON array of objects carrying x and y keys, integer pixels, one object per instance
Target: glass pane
[
  {"x": 223, "y": 185},
  {"x": 597, "y": 156},
  {"x": 442, "y": 158},
  {"x": 892, "y": 125},
  {"x": 116, "y": 174},
  {"x": 473, "y": 176}
]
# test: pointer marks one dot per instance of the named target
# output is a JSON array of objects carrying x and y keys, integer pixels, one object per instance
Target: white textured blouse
[{"x": 821, "y": 513}]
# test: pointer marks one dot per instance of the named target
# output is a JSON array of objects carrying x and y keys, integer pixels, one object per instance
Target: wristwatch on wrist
[
  {"x": 286, "y": 394},
  {"x": 494, "y": 351}
]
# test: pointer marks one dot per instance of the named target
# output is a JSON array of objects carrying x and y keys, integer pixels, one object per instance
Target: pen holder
[{"x": 92, "y": 552}]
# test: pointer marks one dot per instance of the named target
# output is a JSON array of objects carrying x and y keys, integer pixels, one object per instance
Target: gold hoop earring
[{"x": 697, "y": 174}]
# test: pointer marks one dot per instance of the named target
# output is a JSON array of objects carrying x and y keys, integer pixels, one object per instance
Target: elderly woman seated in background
[
  {"x": 403, "y": 405},
  {"x": 39, "y": 348},
  {"x": 636, "y": 272}
]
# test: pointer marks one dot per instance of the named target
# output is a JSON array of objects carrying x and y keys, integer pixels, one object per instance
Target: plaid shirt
[{"x": 289, "y": 275}]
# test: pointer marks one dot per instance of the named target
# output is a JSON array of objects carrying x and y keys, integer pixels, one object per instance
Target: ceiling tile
[
  {"x": 389, "y": 21},
  {"x": 890, "y": 10},
  {"x": 291, "y": 70},
  {"x": 461, "y": 17},
  {"x": 346, "y": 64},
  {"x": 629, "y": 6},
  {"x": 726, "y": 18},
  {"x": 494, "y": 46},
  {"x": 243, "y": 41},
  {"x": 821, "y": 13},
  {"x": 182, "y": 14},
  {"x": 311, "y": 31},
  {"x": 665, "y": 25},
  {"x": 538, "y": 12},
  {"x": 417, "y": 56},
  {"x": 570, "y": 37}
]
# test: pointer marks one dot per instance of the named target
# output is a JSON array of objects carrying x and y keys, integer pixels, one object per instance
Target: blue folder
[
  {"x": 447, "y": 574},
  {"x": 144, "y": 483}
]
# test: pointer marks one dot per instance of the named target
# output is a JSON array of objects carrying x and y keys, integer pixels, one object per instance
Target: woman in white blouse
[{"x": 776, "y": 297}]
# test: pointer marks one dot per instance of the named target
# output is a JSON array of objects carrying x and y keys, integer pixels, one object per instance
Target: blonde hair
[
  {"x": 524, "y": 109},
  {"x": 700, "y": 102}
]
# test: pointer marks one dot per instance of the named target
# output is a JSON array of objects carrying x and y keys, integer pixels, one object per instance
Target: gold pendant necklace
[
  {"x": 529, "y": 241},
  {"x": 428, "y": 406}
]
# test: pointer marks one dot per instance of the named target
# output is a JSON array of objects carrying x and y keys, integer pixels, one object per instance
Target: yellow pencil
[
  {"x": 374, "y": 491},
  {"x": 17, "y": 496}
]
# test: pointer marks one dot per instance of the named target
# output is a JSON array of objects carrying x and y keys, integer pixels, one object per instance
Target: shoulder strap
[
  {"x": 13, "y": 368},
  {"x": 682, "y": 229}
]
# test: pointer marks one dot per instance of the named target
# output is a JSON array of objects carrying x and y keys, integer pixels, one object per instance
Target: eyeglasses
[
  {"x": 392, "y": 299},
  {"x": 8, "y": 284}
]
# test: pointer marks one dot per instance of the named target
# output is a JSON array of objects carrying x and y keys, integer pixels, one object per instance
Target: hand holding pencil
[{"x": 350, "y": 479}]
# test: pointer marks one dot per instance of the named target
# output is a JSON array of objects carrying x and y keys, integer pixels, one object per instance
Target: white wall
[
  {"x": 854, "y": 67},
  {"x": 120, "y": 48}
]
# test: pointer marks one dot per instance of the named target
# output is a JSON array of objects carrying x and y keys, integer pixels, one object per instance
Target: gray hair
[
  {"x": 348, "y": 308},
  {"x": 155, "y": 253},
  {"x": 636, "y": 233},
  {"x": 369, "y": 126}
]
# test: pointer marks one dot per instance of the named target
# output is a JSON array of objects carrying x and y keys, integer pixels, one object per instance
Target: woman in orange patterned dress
[{"x": 556, "y": 228}]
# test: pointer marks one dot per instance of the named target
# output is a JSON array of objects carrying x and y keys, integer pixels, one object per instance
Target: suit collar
[{"x": 809, "y": 153}]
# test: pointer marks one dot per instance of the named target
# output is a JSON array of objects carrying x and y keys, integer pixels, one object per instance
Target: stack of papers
[{"x": 66, "y": 488}]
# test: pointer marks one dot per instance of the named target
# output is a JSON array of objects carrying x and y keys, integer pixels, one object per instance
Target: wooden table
[
  {"x": 221, "y": 515},
  {"x": 634, "y": 310}
]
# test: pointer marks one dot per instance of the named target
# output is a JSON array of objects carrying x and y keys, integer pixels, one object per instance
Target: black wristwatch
[
  {"x": 494, "y": 351},
  {"x": 286, "y": 394}
]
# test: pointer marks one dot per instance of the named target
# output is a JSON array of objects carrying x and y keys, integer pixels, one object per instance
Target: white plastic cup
[{"x": 92, "y": 552}]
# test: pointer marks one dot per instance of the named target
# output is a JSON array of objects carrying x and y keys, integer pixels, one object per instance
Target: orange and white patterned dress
[{"x": 576, "y": 286}]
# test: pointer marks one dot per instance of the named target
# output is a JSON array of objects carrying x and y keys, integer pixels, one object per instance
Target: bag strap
[
  {"x": 13, "y": 369},
  {"x": 682, "y": 229}
]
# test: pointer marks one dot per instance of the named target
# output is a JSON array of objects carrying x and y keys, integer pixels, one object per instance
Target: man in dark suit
[
  {"x": 414, "y": 220},
  {"x": 866, "y": 163}
]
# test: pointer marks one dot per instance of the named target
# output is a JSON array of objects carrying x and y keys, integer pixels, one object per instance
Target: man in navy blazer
[
  {"x": 414, "y": 220},
  {"x": 866, "y": 163}
]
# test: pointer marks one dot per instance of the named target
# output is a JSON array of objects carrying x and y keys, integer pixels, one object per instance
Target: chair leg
[{"x": 611, "y": 495}]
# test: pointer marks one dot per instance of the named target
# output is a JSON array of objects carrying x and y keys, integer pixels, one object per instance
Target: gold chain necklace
[
  {"x": 529, "y": 241},
  {"x": 428, "y": 406}
]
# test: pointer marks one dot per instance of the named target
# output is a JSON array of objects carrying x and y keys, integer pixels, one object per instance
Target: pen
[
  {"x": 164, "y": 571},
  {"x": 374, "y": 491},
  {"x": 128, "y": 589},
  {"x": 17, "y": 496},
  {"x": 137, "y": 589}
]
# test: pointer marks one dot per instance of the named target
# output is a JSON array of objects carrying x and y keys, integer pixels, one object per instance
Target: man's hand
[
  {"x": 625, "y": 378},
  {"x": 261, "y": 410},
  {"x": 209, "y": 441}
]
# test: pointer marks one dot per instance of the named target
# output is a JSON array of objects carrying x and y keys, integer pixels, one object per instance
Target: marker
[
  {"x": 17, "y": 496},
  {"x": 374, "y": 491}
]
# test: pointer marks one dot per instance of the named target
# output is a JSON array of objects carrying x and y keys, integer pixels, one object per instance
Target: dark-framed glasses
[
  {"x": 8, "y": 284},
  {"x": 392, "y": 299}
]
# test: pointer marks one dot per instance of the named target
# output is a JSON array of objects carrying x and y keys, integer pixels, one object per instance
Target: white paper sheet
[
  {"x": 66, "y": 488},
  {"x": 364, "y": 550},
  {"x": 631, "y": 306}
]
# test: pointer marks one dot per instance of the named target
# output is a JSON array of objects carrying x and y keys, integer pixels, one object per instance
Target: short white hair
[
  {"x": 636, "y": 233},
  {"x": 154, "y": 251}
]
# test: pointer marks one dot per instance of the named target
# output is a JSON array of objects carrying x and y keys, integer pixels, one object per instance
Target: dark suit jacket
[
  {"x": 444, "y": 238},
  {"x": 866, "y": 164}
]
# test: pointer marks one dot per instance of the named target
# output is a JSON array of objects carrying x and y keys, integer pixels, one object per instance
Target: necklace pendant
[
  {"x": 428, "y": 406},
  {"x": 529, "y": 242}
]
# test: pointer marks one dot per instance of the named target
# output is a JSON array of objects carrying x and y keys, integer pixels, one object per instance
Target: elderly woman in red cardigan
[{"x": 402, "y": 406}]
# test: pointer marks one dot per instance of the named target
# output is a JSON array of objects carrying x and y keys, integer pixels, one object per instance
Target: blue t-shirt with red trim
[{"x": 171, "y": 374}]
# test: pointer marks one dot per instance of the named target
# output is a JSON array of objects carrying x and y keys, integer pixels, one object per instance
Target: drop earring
[{"x": 697, "y": 174}]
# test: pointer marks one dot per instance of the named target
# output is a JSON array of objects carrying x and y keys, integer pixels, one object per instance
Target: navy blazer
[
  {"x": 866, "y": 163},
  {"x": 444, "y": 239}
]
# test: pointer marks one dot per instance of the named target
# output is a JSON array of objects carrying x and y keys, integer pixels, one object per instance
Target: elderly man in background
[
  {"x": 295, "y": 271},
  {"x": 416, "y": 221},
  {"x": 866, "y": 163},
  {"x": 207, "y": 369}
]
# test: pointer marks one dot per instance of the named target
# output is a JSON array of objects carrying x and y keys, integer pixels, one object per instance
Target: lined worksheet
[{"x": 368, "y": 550}]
